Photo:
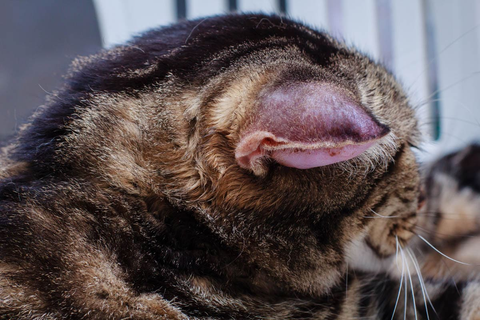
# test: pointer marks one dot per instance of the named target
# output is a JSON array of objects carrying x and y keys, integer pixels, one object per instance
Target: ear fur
[{"x": 306, "y": 125}]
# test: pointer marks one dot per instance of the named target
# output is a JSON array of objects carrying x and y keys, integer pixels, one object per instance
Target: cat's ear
[{"x": 307, "y": 125}]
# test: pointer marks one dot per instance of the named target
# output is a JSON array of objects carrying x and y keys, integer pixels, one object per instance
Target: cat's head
[
  {"x": 297, "y": 148},
  {"x": 286, "y": 143}
]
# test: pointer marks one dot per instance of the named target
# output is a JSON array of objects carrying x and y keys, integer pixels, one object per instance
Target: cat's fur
[
  {"x": 123, "y": 198},
  {"x": 452, "y": 187}
]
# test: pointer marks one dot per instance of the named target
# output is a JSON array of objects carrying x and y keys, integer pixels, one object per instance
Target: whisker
[
  {"x": 449, "y": 213},
  {"x": 446, "y": 266},
  {"x": 47, "y": 92},
  {"x": 437, "y": 56},
  {"x": 422, "y": 283},
  {"x": 471, "y": 75},
  {"x": 399, "y": 291},
  {"x": 193, "y": 29},
  {"x": 380, "y": 216},
  {"x": 411, "y": 285},
  {"x": 459, "y": 139},
  {"x": 406, "y": 296},
  {"x": 401, "y": 279},
  {"x": 448, "y": 118},
  {"x": 396, "y": 249},
  {"x": 444, "y": 255},
  {"x": 456, "y": 102},
  {"x": 448, "y": 216},
  {"x": 346, "y": 283},
  {"x": 444, "y": 236}
]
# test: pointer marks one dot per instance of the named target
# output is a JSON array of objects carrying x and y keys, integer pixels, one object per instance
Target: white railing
[{"x": 429, "y": 44}]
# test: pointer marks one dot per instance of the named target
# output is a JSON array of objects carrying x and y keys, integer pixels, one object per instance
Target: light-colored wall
[{"x": 458, "y": 61}]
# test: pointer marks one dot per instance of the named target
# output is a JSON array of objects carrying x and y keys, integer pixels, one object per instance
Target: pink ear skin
[{"x": 307, "y": 125}]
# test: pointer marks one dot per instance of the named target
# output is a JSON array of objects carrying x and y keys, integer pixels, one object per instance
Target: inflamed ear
[{"x": 307, "y": 125}]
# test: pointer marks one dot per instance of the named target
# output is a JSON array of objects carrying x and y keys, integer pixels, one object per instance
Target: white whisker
[
  {"x": 464, "y": 263},
  {"x": 411, "y": 284},
  {"x": 396, "y": 249},
  {"x": 381, "y": 216},
  {"x": 442, "y": 235},
  {"x": 346, "y": 283},
  {"x": 438, "y": 55},
  {"x": 420, "y": 279},
  {"x": 471, "y": 75},
  {"x": 406, "y": 296},
  {"x": 401, "y": 281},
  {"x": 433, "y": 120}
]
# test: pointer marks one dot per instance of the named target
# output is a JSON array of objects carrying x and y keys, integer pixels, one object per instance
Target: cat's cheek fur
[
  {"x": 359, "y": 256},
  {"x": 390, "y": 219}
]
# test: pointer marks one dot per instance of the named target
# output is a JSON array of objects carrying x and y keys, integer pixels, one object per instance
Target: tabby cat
[
  {"x": 452, "y": 186},
  {"x": 235, "y": 167}
]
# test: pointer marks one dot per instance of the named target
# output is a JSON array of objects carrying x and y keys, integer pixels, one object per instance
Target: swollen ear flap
[{"x": 307, "y": 125}]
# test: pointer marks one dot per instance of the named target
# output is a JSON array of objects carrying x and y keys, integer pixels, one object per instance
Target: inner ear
[{"x": 307, "y": 125}]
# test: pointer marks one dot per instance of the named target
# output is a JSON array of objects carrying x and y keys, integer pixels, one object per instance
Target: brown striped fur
[{"x": 122, "y": 197}]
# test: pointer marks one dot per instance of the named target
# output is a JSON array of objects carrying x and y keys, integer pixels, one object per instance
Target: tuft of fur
[{"x": 122, "y": 197}]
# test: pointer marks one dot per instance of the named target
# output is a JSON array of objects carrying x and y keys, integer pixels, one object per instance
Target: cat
[
  {"x": 234, "y": 167},
  {"x": 452, "y": 204}
]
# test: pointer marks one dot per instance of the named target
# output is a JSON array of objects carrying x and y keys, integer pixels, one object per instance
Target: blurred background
[{"x": 432, "y": 46}]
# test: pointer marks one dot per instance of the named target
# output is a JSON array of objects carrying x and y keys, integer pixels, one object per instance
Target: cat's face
[{"x": 264, "y": 161}]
